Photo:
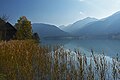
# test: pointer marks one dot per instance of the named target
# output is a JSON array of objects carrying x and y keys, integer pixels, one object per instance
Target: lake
[{"x": 110, "y": 47}]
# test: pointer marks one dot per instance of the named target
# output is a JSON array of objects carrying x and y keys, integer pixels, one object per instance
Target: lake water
[{"x": 110, "y": 47}]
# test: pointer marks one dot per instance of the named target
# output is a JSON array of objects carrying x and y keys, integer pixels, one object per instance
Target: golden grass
[
  {"x": 17, "y": 59},
  {"x": 27, "y": 60}
]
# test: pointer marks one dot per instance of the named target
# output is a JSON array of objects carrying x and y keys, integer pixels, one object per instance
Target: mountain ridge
[
  {"x": 47, "y": 30},
  {"x": 78, "y": 24},
  {"x": 108, "y": 26}
]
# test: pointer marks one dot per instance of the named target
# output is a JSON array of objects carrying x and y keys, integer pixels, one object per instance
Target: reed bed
[{"x": 27, "y": 60}]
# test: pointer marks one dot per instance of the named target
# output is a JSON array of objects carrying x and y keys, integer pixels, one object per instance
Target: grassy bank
[{"x": 26, "y": 60}]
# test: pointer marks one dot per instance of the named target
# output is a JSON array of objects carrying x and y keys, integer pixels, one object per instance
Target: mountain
[
  {"x": 106, "y": 26},
  {"x": 109, "y": 26},
  {"x": 47, "y": 30},
  {"x": 62, "y": 27},
  {"x": 77, "y": 25}
]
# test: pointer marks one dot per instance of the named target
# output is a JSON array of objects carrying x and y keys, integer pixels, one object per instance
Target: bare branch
[{"x": 4, "y": 17}]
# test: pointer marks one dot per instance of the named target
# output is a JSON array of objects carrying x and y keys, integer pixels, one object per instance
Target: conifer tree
[{"x": 24, "y": 29}]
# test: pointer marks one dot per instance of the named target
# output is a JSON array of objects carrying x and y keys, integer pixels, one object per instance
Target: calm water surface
[{"x": 109, "y": 47}]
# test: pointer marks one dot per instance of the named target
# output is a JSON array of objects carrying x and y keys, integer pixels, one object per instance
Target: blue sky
[{"x": 58, "y": 12}]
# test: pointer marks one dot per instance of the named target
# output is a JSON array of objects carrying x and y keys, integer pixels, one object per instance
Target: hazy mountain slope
[
  {"x": 88, "y": 26},
  {"x": 46, "y": 30},
  {"x": 78, "y": 25},
  {"x": 109, "y": 25}
]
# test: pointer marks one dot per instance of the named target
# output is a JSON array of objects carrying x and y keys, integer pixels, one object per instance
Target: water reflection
[{"x": 109, "y": 47}]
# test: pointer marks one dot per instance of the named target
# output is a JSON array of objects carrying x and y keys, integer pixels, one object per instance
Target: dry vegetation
[{"x": 26, "y": 60}]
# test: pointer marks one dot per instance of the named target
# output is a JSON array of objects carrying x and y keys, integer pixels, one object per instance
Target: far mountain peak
[
  {"x": 89, "y": 18},
  {"x": 78, "y": 24}
]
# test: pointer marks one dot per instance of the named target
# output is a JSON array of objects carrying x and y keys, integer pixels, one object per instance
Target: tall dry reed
[{"x": 27, "y": 60}]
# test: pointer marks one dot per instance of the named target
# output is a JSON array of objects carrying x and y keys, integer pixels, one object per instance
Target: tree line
[{"x": 23, "y": 27}]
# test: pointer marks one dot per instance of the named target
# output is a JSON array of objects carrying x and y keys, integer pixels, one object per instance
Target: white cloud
[{"x": 81, "y": 13}]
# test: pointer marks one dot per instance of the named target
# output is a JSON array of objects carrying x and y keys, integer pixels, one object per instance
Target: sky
[{"x": 57, "y": 12}]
